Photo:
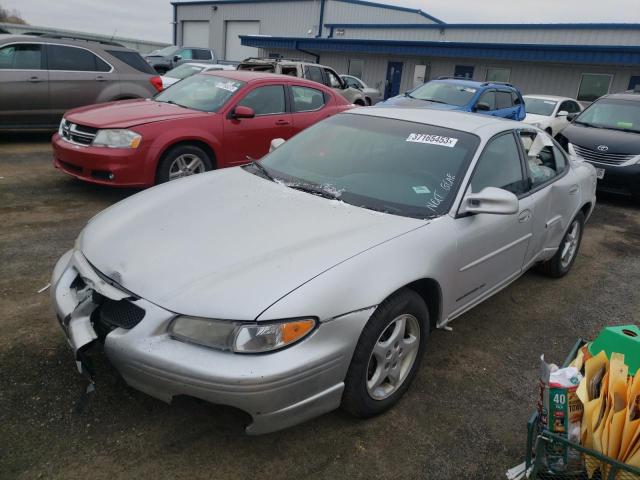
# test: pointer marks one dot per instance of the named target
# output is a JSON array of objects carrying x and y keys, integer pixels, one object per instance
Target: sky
[{"x": 151, "y": 19}]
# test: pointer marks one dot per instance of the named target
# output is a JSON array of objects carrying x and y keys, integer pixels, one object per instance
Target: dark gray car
[
  {"x": 41, "y": 78},
  {"x": 170, "y": 57}
]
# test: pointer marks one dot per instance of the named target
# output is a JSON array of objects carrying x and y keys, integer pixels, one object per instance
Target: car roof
[
  {"x": 555, "y": 98},
  {"x": 251, "y": 76},
  {"x": 61, "y": 40},
  {"x": 632, "y": 96},
  {"x": 474, "y": 83},
  {"x": 485, "y": 125}
]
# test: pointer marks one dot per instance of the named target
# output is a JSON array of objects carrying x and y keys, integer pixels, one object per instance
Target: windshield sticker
[
  {"x": 421, "y": 189},
  {"x": 228, "y": 86},
  {"x": 439, "y": 196},
  {"x": 432, "y": 140},
  {"x": 469, "y": 90}
]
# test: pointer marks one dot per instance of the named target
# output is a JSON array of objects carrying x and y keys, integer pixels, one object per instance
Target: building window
[
  {"x": 593, "y": 86},
  {"x": 463, "y": 71},
  {"x": 356, "y": 67},
  {"x": 498, "y": 74}
]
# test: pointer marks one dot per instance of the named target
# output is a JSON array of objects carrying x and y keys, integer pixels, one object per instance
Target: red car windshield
[{"x": 207, "y": 93}]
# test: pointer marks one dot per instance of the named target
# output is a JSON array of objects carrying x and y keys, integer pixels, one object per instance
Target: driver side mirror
[
  {"x": 492, "y": 200},
  {"x": 177, "y": 58},
  {"x": 275, "y": 143},
  {"x": 562, "y": 113},
  {"x": 242, "y": 112},
  {"x": 482, "y": 107}
]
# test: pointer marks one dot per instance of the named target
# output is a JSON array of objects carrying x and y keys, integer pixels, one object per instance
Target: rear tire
[
  {"x": 560, "y": 264},
  {"x": 387, "y": 356},
  {"x": 182, "y": 161},
  {"x": 360, "y": 103}
]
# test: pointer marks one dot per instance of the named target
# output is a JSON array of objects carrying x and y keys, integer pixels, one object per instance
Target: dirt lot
[{"x": 464, "y": 416}]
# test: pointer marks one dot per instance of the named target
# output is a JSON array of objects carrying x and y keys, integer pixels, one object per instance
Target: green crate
[{"x": 540, "y": 442}]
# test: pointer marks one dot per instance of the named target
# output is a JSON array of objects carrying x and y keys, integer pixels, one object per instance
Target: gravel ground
[{"x": 464, "y": 417}]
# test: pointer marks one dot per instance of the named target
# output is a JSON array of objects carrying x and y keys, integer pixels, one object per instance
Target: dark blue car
[{"x": 491, "y": 98}]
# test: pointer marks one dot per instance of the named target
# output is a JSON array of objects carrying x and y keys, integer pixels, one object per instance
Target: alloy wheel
[
  {"x": 392, "y": 357},
  {"x": 570, "y": 245},
  {"x": 185, "y": 165}
]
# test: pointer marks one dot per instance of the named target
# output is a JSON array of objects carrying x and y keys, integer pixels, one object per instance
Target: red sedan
[{"x": 211, "y": 120}]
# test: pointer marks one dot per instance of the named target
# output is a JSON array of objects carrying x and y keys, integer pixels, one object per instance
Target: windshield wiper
[
  {"x": 314, "y": 190},
  {"x": 175, "y": 103},
  {"x": 587, "y": 124},
  {"x": 264, "y": 171}
]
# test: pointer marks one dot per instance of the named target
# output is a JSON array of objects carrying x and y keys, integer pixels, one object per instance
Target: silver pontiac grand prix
[{"x": 311, "y": 279}]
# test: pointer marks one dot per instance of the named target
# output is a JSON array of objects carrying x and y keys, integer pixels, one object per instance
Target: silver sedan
[{"x": 311, "y": 279}]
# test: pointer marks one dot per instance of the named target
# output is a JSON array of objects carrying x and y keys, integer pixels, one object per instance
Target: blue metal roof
[
  {"x": 496, "y": 26},
  {"x": 588, "y": 54}
]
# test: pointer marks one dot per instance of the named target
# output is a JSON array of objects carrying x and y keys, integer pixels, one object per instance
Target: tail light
[{"x": 156, "y": 82}]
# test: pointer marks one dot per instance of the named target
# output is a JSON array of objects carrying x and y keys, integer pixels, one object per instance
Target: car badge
[{"x": 603, "y": 148}]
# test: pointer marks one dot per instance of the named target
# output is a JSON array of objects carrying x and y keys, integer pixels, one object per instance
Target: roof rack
[
  {"x": 73, "y": 37},
  {"x": 271, "y": 60},
  {"x": 459, "y": 77},
  {"x": 506, "y": 84}
]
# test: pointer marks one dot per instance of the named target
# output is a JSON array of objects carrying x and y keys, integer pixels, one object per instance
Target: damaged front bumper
[{"x": 277, "y": 389}]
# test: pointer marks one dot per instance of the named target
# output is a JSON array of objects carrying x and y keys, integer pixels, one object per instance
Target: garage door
[
  {"x": 195, "y": 34},
  {"x": 233, "y": 49}
]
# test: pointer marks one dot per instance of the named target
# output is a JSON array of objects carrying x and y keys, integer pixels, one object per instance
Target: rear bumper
[
  {"x": 619, "y": 180},
  {"x": 278, "y": 389},
  {"x": 101, "y": 165}
]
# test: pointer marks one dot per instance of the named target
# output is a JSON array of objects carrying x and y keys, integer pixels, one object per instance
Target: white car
[
  {"x": 549, "y": 113},
  {"x": 310, "y": 279},
  {"x": 371, "y": 95},
  {"x": 187, "y": 69}
]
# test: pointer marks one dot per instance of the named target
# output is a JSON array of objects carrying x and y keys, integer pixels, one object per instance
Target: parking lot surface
[{"x": 464, "y": 416}]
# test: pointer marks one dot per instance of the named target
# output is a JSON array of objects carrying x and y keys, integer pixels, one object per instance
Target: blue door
[
  {"x": 394, "y": 76},
  {"x": 634, "y": 81}
]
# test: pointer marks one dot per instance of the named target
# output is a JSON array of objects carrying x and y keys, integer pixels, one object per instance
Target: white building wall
[{"x": 345, "y": 12}]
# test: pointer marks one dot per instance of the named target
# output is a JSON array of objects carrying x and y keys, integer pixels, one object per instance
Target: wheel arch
[
  {"x": 430, "y": 291},
  {"x": 188, "y": 141}
]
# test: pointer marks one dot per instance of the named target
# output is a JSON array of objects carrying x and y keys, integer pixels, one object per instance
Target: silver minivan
[{"x": 42, "y": 77}]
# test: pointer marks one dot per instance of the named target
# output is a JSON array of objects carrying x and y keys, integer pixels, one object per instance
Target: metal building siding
[
  {"x": 344, "y": 12},
  {"x": 293, "y": 19},
  {"x": 551, "y": 36}
]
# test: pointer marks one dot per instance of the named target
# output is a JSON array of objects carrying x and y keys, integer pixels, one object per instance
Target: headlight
[
  {"x": 571, "y": 150},
  {"x": 117, "y": 139},
  {"x": 62, "y": 123},
  {"x": 241, "y": 337}
]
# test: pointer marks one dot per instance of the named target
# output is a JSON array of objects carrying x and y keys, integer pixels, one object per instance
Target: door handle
[
  {"x": 283, "y": 122},
  {"x": 100, "y": 78},
  {"x": 574, "y": 189},
  {"x": 524, "y": 216},
  {"x": 34, "y": 79}
]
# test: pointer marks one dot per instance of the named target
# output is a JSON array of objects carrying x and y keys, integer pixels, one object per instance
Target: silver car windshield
[
  {"x": 539, "y": 106},
  {"x": 393, "y": 166},
  {"x": 183, "y": 71},
  {"x": 614, "y": 114},
  {"x": 207, "y": 93},
  {"x": 441, "y": 92}
]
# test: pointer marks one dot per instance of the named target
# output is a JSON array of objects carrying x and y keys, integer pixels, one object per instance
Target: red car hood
[{"x": 127, "y": 113}]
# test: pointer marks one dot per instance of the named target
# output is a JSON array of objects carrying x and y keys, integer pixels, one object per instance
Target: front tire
[
  {"x": 182, "y": 161},
  {"x": 387, "y": 356},
  {"x": 560, "y": 264}
]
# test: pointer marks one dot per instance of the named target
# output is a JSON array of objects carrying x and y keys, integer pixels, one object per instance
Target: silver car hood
[{"x": 228, "y": 244}]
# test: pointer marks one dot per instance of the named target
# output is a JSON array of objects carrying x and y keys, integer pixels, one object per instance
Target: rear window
[
  {"x": 74, "y": 59},
  {"x": 444, "y": 92},
  {"x": 133, "y": 59},
  {"x": 201, "y": 54}
]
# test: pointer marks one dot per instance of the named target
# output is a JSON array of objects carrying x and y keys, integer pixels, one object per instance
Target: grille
[
  {"x": 78, "y": 134},
  {"x": 600, "y": 157},
  {"x": 122, "y": 313}
]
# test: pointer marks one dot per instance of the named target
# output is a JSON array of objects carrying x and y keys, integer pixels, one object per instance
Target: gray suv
[{"x": 42, "y": 77}]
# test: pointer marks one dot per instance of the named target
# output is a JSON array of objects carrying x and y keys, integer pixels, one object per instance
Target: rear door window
[
  {"x": 134, "y": 60},
  {"x": 74, "y": 59},
  {"x": 545, "y": 160},
  {"x": 332, "y": 79},
  {"x": 265, "y": 100},
  {"x": 307, "y": 99},
  {"x": 313, "y": 73},
  {"x": 26, "y": 56}
]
